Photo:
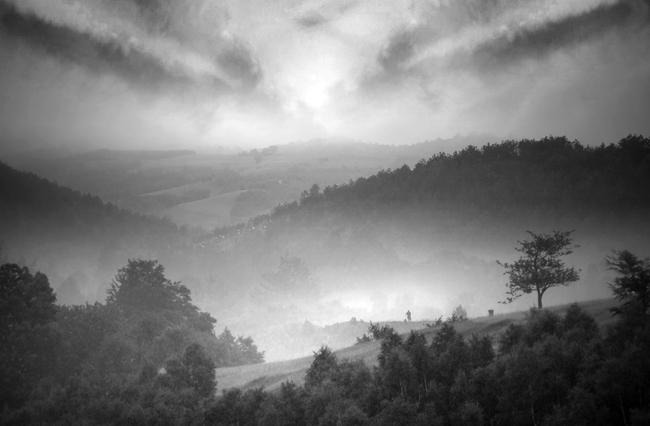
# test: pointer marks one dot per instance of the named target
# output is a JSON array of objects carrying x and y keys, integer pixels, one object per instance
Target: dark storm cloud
[
  {"x": 538, "y": 42},
  {"x": 71, "y": 46},
  {"x": 400, "y": 49},
  {"x": 323, "y": 15},
  {"x": 227, "y": 64},
  {"x": 238, "y": 62},
  {"x": 394, "y": 58},
  {"x": 311, "y": 20},
  {"x": 156, "y": 14},
  {"x": 434, "y": 23}
]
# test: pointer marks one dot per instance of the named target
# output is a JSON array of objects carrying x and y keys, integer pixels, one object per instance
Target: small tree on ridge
[{"x": 540, "y": 268}]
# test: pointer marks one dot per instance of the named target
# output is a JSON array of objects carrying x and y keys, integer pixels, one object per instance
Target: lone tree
[
  {"x": 633, "y": 284},
  {"x": 540, "y": 268}
]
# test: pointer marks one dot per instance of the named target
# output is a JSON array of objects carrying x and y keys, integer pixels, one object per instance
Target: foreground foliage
[
  {"x": 100, "y": 364},
  {"x": 146, "y": 356},
  {"x": 550, "y": 370}
]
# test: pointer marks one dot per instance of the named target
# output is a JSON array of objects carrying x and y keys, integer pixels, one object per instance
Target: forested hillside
[
  {"x": 77, "y": 239},
  {"x": 430, "y": 236},
  {"x": 553, "y": 175},
  {"x": 552, "y": 370},
  {"x": 424, "y": 238},
  {"x": 147, "y": 353},
  {"x": 155, "y": 182},
  {"x": 33, "y": 206}
]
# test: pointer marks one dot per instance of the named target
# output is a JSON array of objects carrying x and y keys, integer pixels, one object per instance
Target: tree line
[
  {"x": 552, "y": 174},
  {"x": 147, "y": 355},
  {"x": 550, "y": 370}
]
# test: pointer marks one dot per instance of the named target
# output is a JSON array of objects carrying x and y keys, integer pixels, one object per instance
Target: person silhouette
[{"x": 408, "y": 316}]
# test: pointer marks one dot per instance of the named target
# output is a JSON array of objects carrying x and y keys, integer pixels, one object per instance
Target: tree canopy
[
  {"x": 26, "y": 343},
  {"x": 24, "y": 297},
  {"x": 633, "y": 284},
  {"x": 140, "y": 289}
]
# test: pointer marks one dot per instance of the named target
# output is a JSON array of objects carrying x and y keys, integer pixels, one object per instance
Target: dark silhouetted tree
[
  {"x": 459, "y": 314},
  {"x": 540, "y": 268},
  {"x": 633, "y": 284},
  {"x": 323, "y": 366},
  {"x": 26, "y": 343},
  {"x": 142, "y": 293}
]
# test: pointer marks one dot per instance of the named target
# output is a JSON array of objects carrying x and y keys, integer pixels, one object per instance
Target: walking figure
[{"x": 408, "y": 316}]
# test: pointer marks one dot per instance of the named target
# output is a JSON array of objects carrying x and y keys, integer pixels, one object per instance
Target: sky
[{"x": 251, "y": 73}]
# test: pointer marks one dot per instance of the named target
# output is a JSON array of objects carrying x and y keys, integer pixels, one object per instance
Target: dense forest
[
  {"x": 552, "y": 370},
  {"x": 148, "y": 356},
  {"x": 475, "y": 196},
  {"x": 33, "y": 206},
  {"x": 514, "y": 178},
  {"x": 79, "y": 239}
]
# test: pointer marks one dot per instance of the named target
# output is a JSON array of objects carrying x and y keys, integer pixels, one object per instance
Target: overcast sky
[{"x": 165, "y": 73}]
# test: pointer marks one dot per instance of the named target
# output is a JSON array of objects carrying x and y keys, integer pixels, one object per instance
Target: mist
[{"x": 324, "y": 212}]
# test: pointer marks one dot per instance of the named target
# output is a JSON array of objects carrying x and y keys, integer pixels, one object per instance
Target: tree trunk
[{"x": 539, "y": 299}]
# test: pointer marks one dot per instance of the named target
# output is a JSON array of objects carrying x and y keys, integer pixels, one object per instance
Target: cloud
[
  {"x": 79, "y": 48},
  {"x": 541, "y": 40},
  {"x": 493, "y": 33},
  {"x": 396, "y": 71},
  {"x": 154, "y": 44},
  {"x": 311, "y": 20},
  {"x": 312, "y": 15}
]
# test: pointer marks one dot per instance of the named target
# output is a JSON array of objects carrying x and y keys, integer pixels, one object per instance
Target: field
[
  {"x": 209, "y": 213},
  {"x": 271, "y": 375}
]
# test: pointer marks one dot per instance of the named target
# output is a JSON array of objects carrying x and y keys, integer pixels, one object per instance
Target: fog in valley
[{"x": 210, "y": 185}]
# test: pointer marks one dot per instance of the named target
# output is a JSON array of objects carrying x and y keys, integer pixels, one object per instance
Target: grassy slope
[
  {"x": 181, "y": 190},
  {"x": 211, "y": 212},
  {"x": 271, "y": 375}
]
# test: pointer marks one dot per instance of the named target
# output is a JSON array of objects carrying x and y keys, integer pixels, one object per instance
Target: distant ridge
[
  {"x": 76, "y": 239},
  {"x": 111, "y": 154},
  {"x": 550, "y": 177},
  {"x": 32, "y": 205}
]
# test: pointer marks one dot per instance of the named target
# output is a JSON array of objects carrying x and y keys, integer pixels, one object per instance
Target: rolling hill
[
  {"x": 270, "y": 375},
  {"x": 212, "y": 212},
  {"x": 424, "y": 238},
  {"x": 171, "y": 178},
  {"x": 76, "y": 239},
  {"x": 427, "y": 238}
]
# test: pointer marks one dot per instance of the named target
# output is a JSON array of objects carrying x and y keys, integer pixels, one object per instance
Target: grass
[
  {"x": 181, "y": 190},
  {"x": 211, "y": 212},
  {"x": 271, "y": 375}
]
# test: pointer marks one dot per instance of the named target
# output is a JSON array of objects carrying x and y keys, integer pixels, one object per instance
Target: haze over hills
[
  {"x": 199, "y": 171},
  {"x": 424, "y": 238},
  {"x": 427, "y": 238},
  {"x": 185, "y": 185},
  {"x": 76, "y": 239}
]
